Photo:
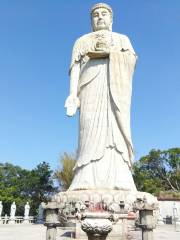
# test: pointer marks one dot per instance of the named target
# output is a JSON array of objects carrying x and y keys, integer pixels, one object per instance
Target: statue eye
[
  {"x": 104, "y": 13},
  {"x": 95, "y": 15}
]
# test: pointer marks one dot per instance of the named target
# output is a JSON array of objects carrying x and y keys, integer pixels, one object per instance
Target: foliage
[
  {"x": 158, "y": 171},
  {"x": 66, "y": 174},
  {"x": 21, "y": 185}
]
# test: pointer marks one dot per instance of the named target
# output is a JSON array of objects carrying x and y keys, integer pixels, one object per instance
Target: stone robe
[{"x": 105, "y": 151}]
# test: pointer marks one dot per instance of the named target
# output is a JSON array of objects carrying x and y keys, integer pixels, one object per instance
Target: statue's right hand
[{"x": 71, "y": 105}]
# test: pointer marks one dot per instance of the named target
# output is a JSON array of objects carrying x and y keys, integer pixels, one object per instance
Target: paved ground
[
  {"x": 38, "y": 232},
  {"x": 22, "y": 232},
  {"x": 167, "y": 232}
]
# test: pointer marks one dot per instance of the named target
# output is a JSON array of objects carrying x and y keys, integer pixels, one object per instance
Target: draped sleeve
[{"x": 122, "y": 62}]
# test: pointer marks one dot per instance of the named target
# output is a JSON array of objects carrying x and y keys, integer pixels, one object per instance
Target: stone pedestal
[{"x": 102, "y": 215}]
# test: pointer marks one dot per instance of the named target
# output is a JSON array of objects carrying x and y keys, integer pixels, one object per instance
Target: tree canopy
[
  {"x": 158, "y": 171},
  {"x": 21, "y": 185}
]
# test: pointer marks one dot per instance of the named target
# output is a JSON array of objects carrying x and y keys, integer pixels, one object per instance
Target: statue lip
[{"x": 100, "y": 22}]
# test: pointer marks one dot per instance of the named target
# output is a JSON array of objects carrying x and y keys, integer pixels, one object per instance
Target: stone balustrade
[{"x": 17, "y": 220}]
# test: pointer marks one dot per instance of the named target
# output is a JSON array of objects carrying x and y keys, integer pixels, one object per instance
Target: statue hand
[{"x": 71, "y": 105}]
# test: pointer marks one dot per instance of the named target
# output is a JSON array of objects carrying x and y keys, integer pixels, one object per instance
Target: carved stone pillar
[
  {"x": 146, "y": 218},
  {"x": 147, "y": 224},
  {"x": 52, "y": 220}
]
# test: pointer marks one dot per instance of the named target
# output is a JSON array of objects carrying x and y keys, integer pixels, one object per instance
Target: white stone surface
[{"x": 101, "y": 83}]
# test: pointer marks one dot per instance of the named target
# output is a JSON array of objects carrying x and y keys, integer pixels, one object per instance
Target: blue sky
[{"x": 36, "y": 39}]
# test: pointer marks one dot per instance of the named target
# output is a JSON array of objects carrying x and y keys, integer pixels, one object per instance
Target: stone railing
[{"x": 17, "y": 220}]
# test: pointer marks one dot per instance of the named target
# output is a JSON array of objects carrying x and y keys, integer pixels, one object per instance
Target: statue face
[{"x": 101, "y": 19}]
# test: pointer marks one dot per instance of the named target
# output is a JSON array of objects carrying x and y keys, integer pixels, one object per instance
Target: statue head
[{"x": 101, "y": 17}]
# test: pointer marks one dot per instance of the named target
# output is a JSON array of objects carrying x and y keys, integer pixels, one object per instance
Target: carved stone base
[
  {"x": 108, "y": 197},
  {"x": 101, "y": 214}
]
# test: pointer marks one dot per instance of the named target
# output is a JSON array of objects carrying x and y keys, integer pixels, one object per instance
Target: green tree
[
  {"x": 21, "y": 185},
  {"x": 11, "y": 181},
  {"x": 158, "y": 171},
  {"x": 41, "y": 186},
  {"x": 66, "y": 174}
]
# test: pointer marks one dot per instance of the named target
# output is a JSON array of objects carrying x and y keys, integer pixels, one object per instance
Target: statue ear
[
  {"x": 92, "y": 25},
  {"x": 110, "y": 27}
]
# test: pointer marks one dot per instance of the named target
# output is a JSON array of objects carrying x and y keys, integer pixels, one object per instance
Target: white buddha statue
[{"x": 101, "y": 74}]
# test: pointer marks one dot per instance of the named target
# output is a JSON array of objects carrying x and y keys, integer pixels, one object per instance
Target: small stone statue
[
  {"x": 12, "y": 213},
  {"x": 40, "y": 218},
  {"x": 26, "y": 213},
  {"x": 13, "y": 210},
  {"x": 26, "y": 210}
]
